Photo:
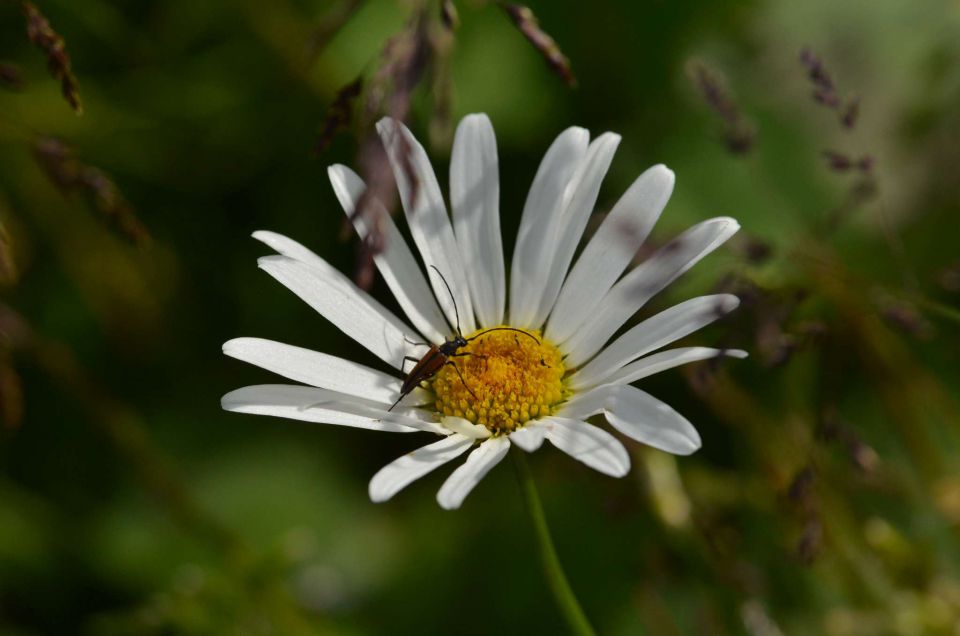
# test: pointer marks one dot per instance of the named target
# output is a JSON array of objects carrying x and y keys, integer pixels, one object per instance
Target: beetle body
[
  {"x": 426, "y": 368},
  {"x": 439, "y": 355},
  {"x": 429, "y": 365}
]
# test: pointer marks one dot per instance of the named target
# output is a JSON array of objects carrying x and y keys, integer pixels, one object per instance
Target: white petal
[
  {"x": 351, "y": 309},
  {"x": 468, "y": 475},
  {"x": 475, "y": 200},
  {"x": 645, "y": 367},
  {"x": 427, "y": 217},
  {"x": 637, "y": 415},
  {"x": 410, "y": 417},
  {"x": 532, "y": 255},
  {"x": 530, "y": 437},
  {"x": 568, "y": 226},
  {"x": 288, "y": 247},
  {"x": 316, "y": 368},
  {"x": 641, "y": 416},
  {"x": 641, "y": 284},
  {"x": 465, "y": 427},
  {"x": 666, "y": 327},
  {"x": 586, "y": 403},
  {"x": 401, "y": 472},
  {"x": 297, "y": 403},
  {"x": 395, "y": 262},
  {"x": 610, "y": 251},
  {"x": 594, "y": 447}
]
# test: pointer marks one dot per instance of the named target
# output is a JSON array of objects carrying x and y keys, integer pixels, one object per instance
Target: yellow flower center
[{"x": 508, "y": 378}]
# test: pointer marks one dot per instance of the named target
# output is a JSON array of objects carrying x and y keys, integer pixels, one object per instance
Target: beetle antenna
[
  {"x": 455, "y": 310},
  {"x": 402, "y": 395},
  {"x": 528, "y": 335},
  {"x": 457, "y": 369}
]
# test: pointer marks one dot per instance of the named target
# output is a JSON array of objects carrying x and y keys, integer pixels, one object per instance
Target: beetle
[{"x": 439, "y": 355}]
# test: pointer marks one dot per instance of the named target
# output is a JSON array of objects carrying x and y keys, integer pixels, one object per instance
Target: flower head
[{"x": 481, "y": 372}]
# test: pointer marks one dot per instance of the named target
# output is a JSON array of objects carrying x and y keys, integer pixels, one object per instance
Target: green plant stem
[
  {"x": 562, "y": 592},
  {"x": 942, "y": 310}
]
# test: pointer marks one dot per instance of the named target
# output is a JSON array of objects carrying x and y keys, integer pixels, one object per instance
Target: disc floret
[{"x": 508, "y": 378}]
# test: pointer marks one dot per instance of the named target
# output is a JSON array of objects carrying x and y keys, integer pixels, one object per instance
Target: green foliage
[{"x": 825, "y": 500}]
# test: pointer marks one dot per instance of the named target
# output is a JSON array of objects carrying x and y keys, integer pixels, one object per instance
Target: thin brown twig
[
  {"x": 527, "y": 23},
  {"x": 58, "y": 60},
  {"x": 69, "y": 174},
  {"x": 8, "y": 264},
  {"x": 404, "y": 59},
  {"x": 11, "y": 393},
  {"x": 441, "y": 122},
  {"x": 739, "y": 133},
  {"x": 825, "y": 91},
  {"x": 340, "y": 114},
  {"x": 11, "y": 78}
]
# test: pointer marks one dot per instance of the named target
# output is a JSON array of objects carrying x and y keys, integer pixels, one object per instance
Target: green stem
[
  {"x": 562, "y": 592},
  {"x": 944, "y": 311}
]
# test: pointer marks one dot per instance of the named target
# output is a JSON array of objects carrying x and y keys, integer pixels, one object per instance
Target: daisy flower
[{"x": 528, "y": 370}]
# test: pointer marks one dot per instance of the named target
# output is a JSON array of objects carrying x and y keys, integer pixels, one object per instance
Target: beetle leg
[
  {"x": 402, "y": 395},
  {"x": 414, "y": 342},
  {"x": 405, "y": 358},
  {"x": 473, "y": 355}
]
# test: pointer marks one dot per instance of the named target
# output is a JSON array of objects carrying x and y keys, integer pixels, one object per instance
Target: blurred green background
[{"x": 826, "y": 498}]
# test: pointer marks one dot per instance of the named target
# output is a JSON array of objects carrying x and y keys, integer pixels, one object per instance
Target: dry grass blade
[
  {"x": 865, "y": 186},
  {"x": 850, "y": 113},
  {"x": 833, "y": 429},
  {"x": 8, "y": 265},
  {"x": 949, "y": 278},
  {"x": 381, "y": 189},
  {"x": 448, "y": 15},
  {"x": 905, "y": 317},
  {"x": 404, "y": 58},
  {"x": 863, "y": 190},
  {"x": 10, "y": 76},
  {"x": 58, "y": 60},
  {"x": 810, "y": 544},
  {"x": 739, "y": 133},
  {"x": 825, "y": 91},
  {"x": 526, "y": 22},
  {"x": 340, "y": 114},
  {"x": 70, "y": 175},
  {"x": 11, "y": 395},
  {"x": 58, "y": 162},
  {"x": 839, "y": 162},
  {"x": 113, "y": 205},
  {"x": 441, "y": 123},
  {"x": 802, "y": 494}
]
